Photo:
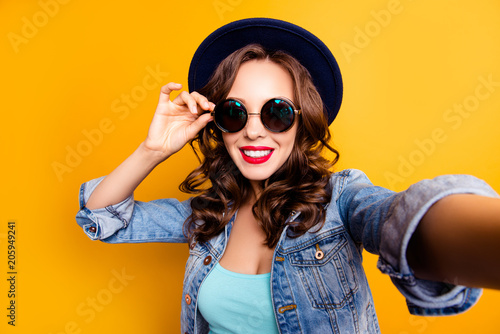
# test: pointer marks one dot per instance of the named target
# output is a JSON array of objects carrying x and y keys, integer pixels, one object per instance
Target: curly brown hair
[{"x": 300, "y": 184}]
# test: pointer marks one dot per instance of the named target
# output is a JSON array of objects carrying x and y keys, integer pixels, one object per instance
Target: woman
[{"x": 276, "y": 237}]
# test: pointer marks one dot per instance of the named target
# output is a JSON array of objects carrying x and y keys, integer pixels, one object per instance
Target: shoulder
[
  {"x": 347, "y": 178},
  {"x": 349, "y": 175}
]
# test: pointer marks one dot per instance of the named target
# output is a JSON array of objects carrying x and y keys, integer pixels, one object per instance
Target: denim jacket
[{"x": 317, "y": 280}]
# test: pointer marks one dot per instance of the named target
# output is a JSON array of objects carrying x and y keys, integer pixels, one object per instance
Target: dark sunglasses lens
[
  {"x": 230, "y": 116},
  {"x": 277, "y": 115}
]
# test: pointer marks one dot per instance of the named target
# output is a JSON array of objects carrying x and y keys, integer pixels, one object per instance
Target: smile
[{"x": 256, "y": 155}]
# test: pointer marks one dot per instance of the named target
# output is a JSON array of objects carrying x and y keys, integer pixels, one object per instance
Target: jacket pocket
[{"x": 326, "y": 270}]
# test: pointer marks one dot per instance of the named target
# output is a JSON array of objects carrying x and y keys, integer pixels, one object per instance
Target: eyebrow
[
  {"x": 273, "y": 97},
  {"x": 237, "y": 98}
]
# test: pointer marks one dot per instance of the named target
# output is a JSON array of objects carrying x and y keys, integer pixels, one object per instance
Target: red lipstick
[{"x": 256, "y": 154}]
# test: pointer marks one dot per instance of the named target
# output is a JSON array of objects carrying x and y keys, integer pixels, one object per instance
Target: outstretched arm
[{"x": 458, "y": 241}]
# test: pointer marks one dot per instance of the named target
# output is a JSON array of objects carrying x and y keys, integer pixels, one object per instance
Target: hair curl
[{"x": 300, "y": 184}]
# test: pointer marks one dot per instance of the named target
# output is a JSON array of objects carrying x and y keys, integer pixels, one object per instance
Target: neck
[{"x": 256, "y": 190}]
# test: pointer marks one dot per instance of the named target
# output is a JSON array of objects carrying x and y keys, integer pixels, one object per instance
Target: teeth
[{"x": 257, "y": 154}]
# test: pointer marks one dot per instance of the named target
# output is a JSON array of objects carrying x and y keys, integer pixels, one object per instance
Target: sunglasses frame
[{"x": 288, "y": 101}]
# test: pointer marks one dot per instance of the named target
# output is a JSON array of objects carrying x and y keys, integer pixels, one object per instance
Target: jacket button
[
  {"x": 207, "y": 260},
  {"x": 193, "y": 245},
  {"x": 92, "y": 229},
  {"x": 319, "y": 255},
  {"x": 188, "y": 299}
]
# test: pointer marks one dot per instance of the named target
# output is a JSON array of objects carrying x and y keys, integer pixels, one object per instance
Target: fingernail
[
  {"x": 206, "y": 105},
  {"x": 194, "y": 110}
]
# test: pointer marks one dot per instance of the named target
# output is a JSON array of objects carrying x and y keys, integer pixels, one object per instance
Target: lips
[{"x": 256, "y": 154}]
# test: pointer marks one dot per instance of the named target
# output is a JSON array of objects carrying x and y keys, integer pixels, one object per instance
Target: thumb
[{"x": 198, "y": 124}]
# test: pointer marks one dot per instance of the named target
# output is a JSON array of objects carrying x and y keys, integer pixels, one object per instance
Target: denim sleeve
[
  {"x": 383, "y": 221},
  {"x": 133, "y": 221}
]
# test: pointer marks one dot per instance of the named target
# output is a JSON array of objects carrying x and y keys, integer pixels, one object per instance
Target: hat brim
[{"x": 272, "y": 34}]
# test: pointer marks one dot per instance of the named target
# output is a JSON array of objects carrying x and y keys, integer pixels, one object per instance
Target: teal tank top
[{"x": 237, "y": 303}]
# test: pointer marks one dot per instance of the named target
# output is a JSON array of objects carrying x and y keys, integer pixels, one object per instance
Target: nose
[{"x": 254, "y": 128}]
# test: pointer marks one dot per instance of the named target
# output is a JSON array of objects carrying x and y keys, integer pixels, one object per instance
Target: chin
[{"x": 256, "y": 175}]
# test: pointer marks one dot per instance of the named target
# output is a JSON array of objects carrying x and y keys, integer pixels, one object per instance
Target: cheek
[
  {"x": 291, "y": 137},
  {"x": 229, "y": 140},
  {"x": 292, "y": 143}
]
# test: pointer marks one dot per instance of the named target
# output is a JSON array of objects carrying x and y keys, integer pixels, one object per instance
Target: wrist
[{"x": 151, "y": 157}]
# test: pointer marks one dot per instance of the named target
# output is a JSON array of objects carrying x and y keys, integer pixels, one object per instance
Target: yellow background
[{"x": 67, "y": 75}]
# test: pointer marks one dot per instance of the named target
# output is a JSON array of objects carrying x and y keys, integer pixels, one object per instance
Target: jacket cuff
[
  {"x": 425, "y": 297},
  {"x": 102, "y": 223}
]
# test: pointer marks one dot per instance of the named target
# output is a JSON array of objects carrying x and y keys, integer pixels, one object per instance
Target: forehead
[{"x": 259, "y": 80}]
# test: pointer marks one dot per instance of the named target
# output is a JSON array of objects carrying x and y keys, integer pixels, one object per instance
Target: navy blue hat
[{"x": 272, "y": 34}]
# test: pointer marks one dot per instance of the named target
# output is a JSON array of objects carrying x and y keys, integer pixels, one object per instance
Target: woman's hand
[{"x": 176, "y": 122}]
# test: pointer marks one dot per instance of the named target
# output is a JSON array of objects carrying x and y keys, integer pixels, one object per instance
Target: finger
[
  {"x": 198, "y": 124},
  {"x": 166, "y": 90},
  {"x": 187, "y": 99},
  {"x": 212, "y": 106},
  {"x": 201, "y": 100}
]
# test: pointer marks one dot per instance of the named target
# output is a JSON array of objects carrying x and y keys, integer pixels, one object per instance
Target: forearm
[
  {"x": 458, "y": 241},
  {"x": 121, "y": 182}
]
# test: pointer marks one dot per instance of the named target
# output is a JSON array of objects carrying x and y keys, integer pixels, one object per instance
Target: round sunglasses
[{"x": 277, "y": 115}]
